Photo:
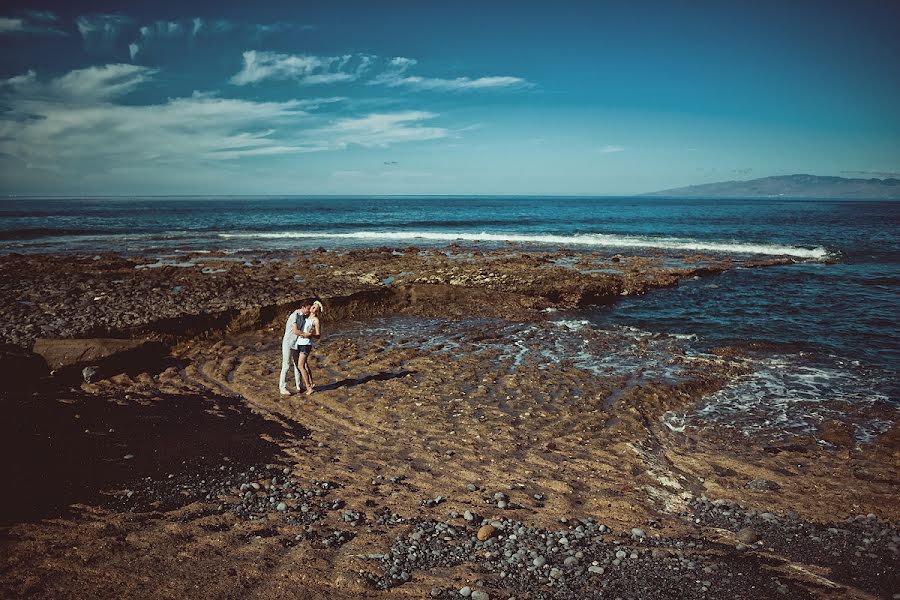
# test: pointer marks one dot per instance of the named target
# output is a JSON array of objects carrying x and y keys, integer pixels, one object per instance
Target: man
[{"x": 292, "y": 330}]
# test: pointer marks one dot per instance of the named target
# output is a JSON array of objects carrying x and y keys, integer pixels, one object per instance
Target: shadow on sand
[
  {"x": 67, "y": 447},
  {"x": 383, "y": 376}
]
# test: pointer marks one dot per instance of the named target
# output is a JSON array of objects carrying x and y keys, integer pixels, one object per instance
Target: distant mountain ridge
[{"x": 793, "y": 186}]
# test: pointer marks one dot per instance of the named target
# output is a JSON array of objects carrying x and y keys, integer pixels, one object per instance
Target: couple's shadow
[{"x": 383, "y": 376}]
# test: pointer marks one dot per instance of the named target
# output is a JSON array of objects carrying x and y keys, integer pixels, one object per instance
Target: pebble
[
  {"x": 472, "y": 487},
  {"x": 88, "y": 374},
  {"x": 747, "y": 535},
  {"x": 479, "y": 595},
  {"x": 620, "y": 554},
  {"x": 763, "y": 485},
  {"x": 281, "y": 507},
  {"x": 468, "y": 516},
  {"x": 638, "y": 533},
  {"x": 465, "y": 591},
  {"x": 486, "y": 532},
  {"x": 539, "y": 562}
]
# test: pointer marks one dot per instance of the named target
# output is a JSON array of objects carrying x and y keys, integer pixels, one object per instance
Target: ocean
[{"x": 822, "y": 331}]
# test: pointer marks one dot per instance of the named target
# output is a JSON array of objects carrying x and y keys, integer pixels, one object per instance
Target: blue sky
[{"x": 581, "y": 98}]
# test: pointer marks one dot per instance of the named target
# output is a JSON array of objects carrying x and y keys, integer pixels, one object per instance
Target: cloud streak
[
  {"x": 395, "y": 76},
  {"x": 30, "y": 21},
  {"x": 305, "y": 69},
  {"x": 78, "y": 125},
  {"x": 102, "y": 32}
]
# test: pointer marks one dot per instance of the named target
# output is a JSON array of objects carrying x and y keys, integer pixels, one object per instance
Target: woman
[
  {"x": 292, "y": 328},
  {"x": 311, "y": 330}
]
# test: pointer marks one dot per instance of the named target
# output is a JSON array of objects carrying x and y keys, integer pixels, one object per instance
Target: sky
[{"x": 567, "y": 98}]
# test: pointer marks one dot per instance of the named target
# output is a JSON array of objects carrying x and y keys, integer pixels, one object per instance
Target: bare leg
[
  {"x": 301, "y": 364},
  {"x": 309, "y": 376}
]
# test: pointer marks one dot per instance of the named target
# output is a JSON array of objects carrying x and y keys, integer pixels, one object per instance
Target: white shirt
[
  {"x": 307, "y": 327},
  {"x": 290, "y": 338}
]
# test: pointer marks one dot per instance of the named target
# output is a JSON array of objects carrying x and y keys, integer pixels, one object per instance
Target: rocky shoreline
[
  {"x": 179, "y": 295},
  {"x": 431, "y": 462}
]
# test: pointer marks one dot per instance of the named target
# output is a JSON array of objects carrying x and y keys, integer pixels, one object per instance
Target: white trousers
[{"x": 288, "y": 358}]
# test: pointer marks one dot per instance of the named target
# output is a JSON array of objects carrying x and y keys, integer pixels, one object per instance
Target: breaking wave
[{"x": 599, "y": 240}]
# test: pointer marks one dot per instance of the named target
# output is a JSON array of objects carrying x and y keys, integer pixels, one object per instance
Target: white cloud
[
  {"x": 161, "y": 29},
  {"x": 101, "y": 32},
  {"x": 76, "y": 126},
  {"x": 395, "y": 76},
  {"x": 305, "y": 69},
  {"x": 381, "y": 130},
  {"x": 611, "y": 149},
  {"x": 163, "y": 32},
  {"x": 42, "y": 15},
  {"x": 309, "y": 70},
  {"x": 92, "y": 84},
  {"x": 8, "y": 25},
  {"x": 32, "y": 21}
]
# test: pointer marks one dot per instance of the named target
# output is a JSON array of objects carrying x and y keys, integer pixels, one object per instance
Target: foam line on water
[{"x": 586, "y": 239}]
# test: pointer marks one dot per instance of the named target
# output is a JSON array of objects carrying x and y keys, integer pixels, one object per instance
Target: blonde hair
[{"x": 318, "y": 306}]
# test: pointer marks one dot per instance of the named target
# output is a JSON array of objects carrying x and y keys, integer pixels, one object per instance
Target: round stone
[
  {"x": 637, "y": 532},
  {"x": 486, "y": 532},
  {"x": 539, "y": 562},
  {"x": 479, "y": 595},
  {"x": 465, "y": 591},
  {"x": 747, "y": 535},
  {"x": 281, "y": 507}
]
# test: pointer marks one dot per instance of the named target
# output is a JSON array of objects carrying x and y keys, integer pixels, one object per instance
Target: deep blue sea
[{"x": 832, "y": 318}]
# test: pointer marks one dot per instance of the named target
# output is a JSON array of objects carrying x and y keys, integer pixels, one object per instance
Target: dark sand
[{"x": 131, "y": 485}]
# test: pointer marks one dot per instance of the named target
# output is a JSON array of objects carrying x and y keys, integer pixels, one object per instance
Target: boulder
[{"x": 106, "y": 356}]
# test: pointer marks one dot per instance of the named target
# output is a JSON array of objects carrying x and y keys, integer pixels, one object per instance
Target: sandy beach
[{"x": 454, "y": 445}]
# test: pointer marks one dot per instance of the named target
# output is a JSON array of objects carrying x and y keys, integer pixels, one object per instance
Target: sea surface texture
[{"x": 823, "y": 332}]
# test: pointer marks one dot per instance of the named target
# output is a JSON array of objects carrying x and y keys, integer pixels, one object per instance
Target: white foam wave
[
  {"x": 586, "y": 239},
  {"x": 782, "y": 394}
]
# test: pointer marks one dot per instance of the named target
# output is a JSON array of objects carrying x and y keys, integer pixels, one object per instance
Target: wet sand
[{"x": 141, "y": 484}]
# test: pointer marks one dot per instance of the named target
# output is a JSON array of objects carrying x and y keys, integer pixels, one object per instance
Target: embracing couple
[{"x": 301, "y": 329}]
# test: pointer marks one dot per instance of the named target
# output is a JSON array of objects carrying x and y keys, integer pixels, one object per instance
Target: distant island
[{"x": 793, "y": 186}]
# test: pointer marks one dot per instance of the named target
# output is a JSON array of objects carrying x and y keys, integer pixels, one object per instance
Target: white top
[
  {"x": 306, "y": 328},
  {"x": 290, "y": 338}
]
